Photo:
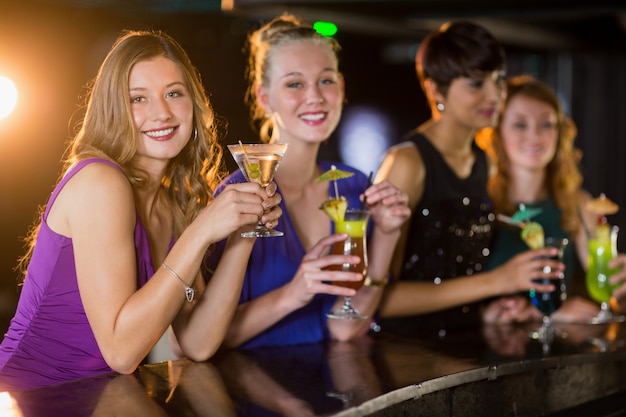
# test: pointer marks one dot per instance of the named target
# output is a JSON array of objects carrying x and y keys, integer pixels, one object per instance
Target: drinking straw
[
  {"x": 369, "y": 182},
  {"x": 335, "y": 186},
  {"x": 582, "y": 221},
  {"x": 245, "y": 154}
]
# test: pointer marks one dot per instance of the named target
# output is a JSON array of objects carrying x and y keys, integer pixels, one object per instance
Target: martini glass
[
  {"x": 354, "y": 224},
  {"x": 258, "y": 163}
]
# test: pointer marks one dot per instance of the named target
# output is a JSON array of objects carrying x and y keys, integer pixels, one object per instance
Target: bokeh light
[
  {"x": 364, "y": 136},
  {"x": 8, "y": 96}
]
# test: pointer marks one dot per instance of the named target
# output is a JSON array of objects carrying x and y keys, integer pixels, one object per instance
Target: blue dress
[{"x": 275, "y": 260}]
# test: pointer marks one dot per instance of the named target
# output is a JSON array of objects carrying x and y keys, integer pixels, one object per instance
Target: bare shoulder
[
  {"x": 401, "y": 158},
  {"x": 100, "y": 173},
  {"x": 403, "y": 167},
  {"x": 403, "y": 149},
  {"x": 98, "y": 180},
  {"x": 98, "y": 190}
]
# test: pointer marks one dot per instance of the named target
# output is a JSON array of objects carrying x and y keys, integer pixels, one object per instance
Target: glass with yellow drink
[{"x": 354, "y": 224}]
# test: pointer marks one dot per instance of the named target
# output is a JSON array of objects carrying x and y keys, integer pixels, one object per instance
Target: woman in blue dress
[{"x": 296, "y": 95}]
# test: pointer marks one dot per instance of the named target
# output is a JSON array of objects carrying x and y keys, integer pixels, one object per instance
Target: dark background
[{"x": 51, "y": 49}]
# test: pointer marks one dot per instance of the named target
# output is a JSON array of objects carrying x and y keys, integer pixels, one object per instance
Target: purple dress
[
  {"x": 273, "y": 263},
  {"x": 50, "y": 340}
]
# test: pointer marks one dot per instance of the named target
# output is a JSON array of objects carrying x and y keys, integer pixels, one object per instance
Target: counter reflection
[{"x": 318, "y": 379}]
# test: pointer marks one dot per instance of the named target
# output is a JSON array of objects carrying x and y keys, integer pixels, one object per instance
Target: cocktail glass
[
  {"x": 602, "y": 249},
  {"x": 354, "y": 224},
  {"x": 549, "y": 302},
  {"x": 258, "y": 163}
]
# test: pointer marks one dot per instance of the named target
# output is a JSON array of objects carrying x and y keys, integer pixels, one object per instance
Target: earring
[
  {"x": 440, "y": 106},
  {"x": 195, "y": 134}
]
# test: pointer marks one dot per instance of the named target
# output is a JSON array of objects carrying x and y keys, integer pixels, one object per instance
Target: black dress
[{"x": 449, "y": 236}]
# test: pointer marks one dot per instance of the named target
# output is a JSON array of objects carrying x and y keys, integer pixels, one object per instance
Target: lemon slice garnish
[
  {"x": 335, "y": 208},
  {"x": 532, "y": 234}
]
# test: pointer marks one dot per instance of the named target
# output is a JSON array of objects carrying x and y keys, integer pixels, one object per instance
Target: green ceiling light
[{"x": 325, "y": 28}]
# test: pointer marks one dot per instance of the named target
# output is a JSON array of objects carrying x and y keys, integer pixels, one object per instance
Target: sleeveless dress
[
  {"x": 450, "y": 234},
  {"x": 273, "y": 263},
  {"x": 49, "y": 340}
]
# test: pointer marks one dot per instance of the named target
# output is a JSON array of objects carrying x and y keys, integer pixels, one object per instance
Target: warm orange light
[
  {"x": 8, "y": 96},
  {"x": 8, "y": 406}
]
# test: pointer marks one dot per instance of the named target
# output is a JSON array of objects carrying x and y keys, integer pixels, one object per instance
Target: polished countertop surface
[{"x": 493, "y": 370}]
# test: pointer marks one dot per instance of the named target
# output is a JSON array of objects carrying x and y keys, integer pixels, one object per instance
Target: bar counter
[{"x": 487, "y": 371}]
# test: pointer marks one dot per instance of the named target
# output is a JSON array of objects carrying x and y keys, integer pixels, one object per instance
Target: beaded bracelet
[{"x": 189, "y": 292}]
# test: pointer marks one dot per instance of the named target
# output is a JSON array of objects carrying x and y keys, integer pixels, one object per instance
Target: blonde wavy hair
[
  {"x": 283, "y": 30},
  {"x": 563, "y": 176},
  {"x": 107, "y": 130}
]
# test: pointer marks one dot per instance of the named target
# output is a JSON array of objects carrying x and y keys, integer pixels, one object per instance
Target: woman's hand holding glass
[
  {"x": 239, "y": 206},
  {"x": 618, "y": 263},
  {"x": 520, "y": 272},
  {"x": 618, "y": 282},
  {"x": 258, "y": 163},
  {"x": 518, "y": 275},
  {"x": 312, "y": 278},
  {"x": 389, "y": 210}
]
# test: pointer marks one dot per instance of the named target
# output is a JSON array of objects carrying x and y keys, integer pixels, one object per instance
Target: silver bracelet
[{"x": 189, "y": 292}]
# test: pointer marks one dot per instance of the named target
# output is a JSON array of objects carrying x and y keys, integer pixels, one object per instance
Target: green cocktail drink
[{"x": 602, "y": 249}]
